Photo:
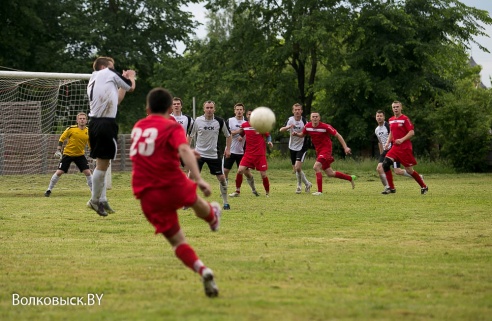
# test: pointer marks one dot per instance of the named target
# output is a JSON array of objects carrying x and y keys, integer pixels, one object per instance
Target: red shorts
[
  {"x": 160, "y": 206},
  {"x": 258, "y": 162},
  {"x": 325, "y": 161},
  {"x": 402, "y": 155}
]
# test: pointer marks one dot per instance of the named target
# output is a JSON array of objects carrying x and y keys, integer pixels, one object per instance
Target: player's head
[
  {"x": 397, "y": 106},
  {"x": 209, "y": 107},
  {"x": 82, "y": 119},
  {"x": 159, "y": 101},
  {"x": 248, "y": 113},
  {"x": 103, "y": 62},
  {"x": 177, "y": 104},
  {"x": 239, "y": 110},
  {"x": 315, "y": 118},
  {"x": 297, "y": 109},
  {"x": 380, "y": 116}
]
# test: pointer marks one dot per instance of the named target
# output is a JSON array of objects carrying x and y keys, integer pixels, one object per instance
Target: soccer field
[{"x": 347, "y": 255}]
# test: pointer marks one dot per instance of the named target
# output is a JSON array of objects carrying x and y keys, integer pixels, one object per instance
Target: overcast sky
[{"x": 482, "y": 58}]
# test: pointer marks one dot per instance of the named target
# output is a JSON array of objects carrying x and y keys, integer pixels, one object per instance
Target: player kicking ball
[{"x": 158, "y": 143}]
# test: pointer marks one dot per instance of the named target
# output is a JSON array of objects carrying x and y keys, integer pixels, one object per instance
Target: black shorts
[
  {"x": 234, "y": 158},
  {"x": 103, "y": 138},
  {"x": 382, "y": 156},
  {"x": 214, "y": 165},
  {"x": 80, "y": 161},
  {"x": 297, "y": 155}
]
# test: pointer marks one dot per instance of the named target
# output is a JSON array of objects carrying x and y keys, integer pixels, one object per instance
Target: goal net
[{"x": 35, "y": 109}]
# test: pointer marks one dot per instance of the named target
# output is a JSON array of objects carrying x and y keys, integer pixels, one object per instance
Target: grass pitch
[{"x": 347, "y": 255}]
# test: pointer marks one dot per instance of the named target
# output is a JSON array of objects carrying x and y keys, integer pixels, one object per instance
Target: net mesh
[{"x": 34, "y": 112}]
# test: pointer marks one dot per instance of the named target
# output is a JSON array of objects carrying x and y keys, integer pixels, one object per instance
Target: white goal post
[{"x": 35, "y": 109}]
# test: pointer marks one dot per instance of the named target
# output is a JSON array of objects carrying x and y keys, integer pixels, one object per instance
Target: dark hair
[
  {"x": 380, "y": 112},
  {"x": 239, "y": 105},
  {"x": 159, "y": 100},
  {"x": 177, "y": 98}
]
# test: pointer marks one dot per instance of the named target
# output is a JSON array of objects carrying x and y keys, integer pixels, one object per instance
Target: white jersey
[
  {"x": 382, "y": 133},
  {"x": 185, "y": 121},
  {"x": 296, "y": 143},
  {"x": 206, "y": 133},
  {"x": 103, "y": 92},
  {"x": 237, "y": 146}
]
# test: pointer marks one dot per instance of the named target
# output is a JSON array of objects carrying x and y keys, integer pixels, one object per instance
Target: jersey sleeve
[{"x": 65, "y": 135}]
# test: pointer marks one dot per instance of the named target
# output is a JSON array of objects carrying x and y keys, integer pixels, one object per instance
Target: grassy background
[{"x": 347, "y": 255}]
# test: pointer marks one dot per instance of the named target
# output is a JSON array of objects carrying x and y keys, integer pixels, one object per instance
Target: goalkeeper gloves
[{"x": 58, "y": 154}]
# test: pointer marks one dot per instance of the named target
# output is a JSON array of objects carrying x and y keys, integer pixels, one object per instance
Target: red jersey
[
  {"x": 154, "y": 153},
  {"x": 399, "y": 127},
  {"x": 255, "y": 142},
  {"x": 321, "y": 137}
]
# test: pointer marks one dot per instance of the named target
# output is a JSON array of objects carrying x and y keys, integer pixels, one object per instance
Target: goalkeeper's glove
[{"x": 58, "y": 154}]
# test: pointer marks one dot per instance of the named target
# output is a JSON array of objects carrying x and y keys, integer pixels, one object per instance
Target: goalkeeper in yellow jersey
[{"x": 78, "y": 139}]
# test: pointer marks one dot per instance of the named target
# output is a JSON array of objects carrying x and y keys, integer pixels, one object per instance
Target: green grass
[{"x": 348, "y": 255}]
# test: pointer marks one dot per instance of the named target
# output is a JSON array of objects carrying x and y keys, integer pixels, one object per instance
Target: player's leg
[
  {"x": 319, "y": 177},
  {"x": 228, "y": 162},
  {"x": 379, "y": 169},
  {"x": 63, "y": 167},
  {"x": 246, "y": 163},
  {"x": 297, "y": 170},
  {"x": 262, "y": 167},
  {"x": 215, "y": 166},
  {"x": 336, "y": 174},
  {"x": 83, "y": 166},
  {"x": 301, "y": 155},
  {"x": 209, "y": 212},
  {"x": 387, "y": 164}
]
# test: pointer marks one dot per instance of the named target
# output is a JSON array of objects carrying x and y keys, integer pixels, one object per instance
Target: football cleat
[
  {"x": 227, "y": 206},
  {"x": 211, "y": 289},
  {"x": 308, "y": 187},
  {"x": 108, "y": 208},
  {"x": 218, "y": 213},
  {"x": 352, "y": 181},
  {"x": 98, "y": 207},
  {"x": 47, "y": 193},
  {"x": 388, "y": 190},
  {"x": 298, "y": 190},
  {"x": 317, "y": 193},
  {"x": 424, "y": 190},
  {"x": 235, "y": 194},
  {"x": 255, "y": 193}
]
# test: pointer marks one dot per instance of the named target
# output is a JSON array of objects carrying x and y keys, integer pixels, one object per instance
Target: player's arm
[
  {"x": 227, "y": 151},
  {"x": 298, "y": 134},
  {"x": 388, "y": 142},
  {"x": 286, "y": 127},
  {"x": 380, "y": 148},
  {"x": 405, "y": 138},
  {"x": 189, "y": 159},
  {"x": 347, "y": 150}
]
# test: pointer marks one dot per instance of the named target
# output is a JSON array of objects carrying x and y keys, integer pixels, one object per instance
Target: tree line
[{"x": 344, "y": 59}]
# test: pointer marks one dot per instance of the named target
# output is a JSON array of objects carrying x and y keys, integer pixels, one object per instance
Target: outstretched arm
[
  {"x": 347, "y": 150},
  {"x": 189, "y": 159}
]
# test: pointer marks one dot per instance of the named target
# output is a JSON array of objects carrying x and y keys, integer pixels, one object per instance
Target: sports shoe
[
  {"x": 354, "y": 178},
  {"x": 317, "y": 193},
  {"x": 298, "y": 190},
  {"x": 47, "y": 193},
  {"x": 388, "y": 190},
  {"x": 218, "y": 213},
  {"x": 227, "y": 206},
  {"x": 98, "y": 207},
  {"x": 267, "y": 194},
  {"x": 308, "y": 188},
  {"x": 255, "y": 193},
  {"x": 108, "y": 208},
  {"x": 211, "y": 289},
  {"x": 424, "y": 190},
  {"x": 235, "y": 194}
]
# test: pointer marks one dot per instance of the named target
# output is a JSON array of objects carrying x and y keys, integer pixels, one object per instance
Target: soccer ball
[{"x": 262, "y": 119}]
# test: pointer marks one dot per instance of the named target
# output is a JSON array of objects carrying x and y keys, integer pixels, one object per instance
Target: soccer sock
[
  {"x": 251, "y": 182},
  {"x": 53, "y": 181},
  {"x": 89, "y": 181},
  {"x": 298, "y": 176},
  {"x": 266, "y": 184},
  {"x": 103, "y": 197},
  {"x": 304, "y": 178},
  {"x": 223, "y": 191},
  {"x": 383, "y": 179},
  {"x": 211, "y": 215},
  {"x": 239, "y": 182},
  {"x": 341, "y": 175},
  {"x": 187, "y": 255},
  {"x": 389, "y": 178},
  {"x": 319, "y": 181},
  {"x": 98, "y": 178},
  {"x": 417, "y": 177}
]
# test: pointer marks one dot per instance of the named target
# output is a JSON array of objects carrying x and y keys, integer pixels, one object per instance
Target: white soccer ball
[{"x": 262, "y": 119}]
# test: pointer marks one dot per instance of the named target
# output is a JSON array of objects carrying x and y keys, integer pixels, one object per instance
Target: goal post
[{"x": 35, "y": 109}]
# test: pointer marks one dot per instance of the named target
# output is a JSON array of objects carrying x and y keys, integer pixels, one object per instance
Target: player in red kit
[
  {"x": 158, "y": 142},
  {"x": 255, "y": 156},
  {"x": 321, "y": 137},
  {"x": 401, "y": 131}
]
